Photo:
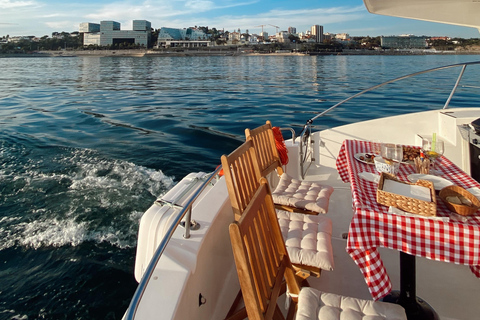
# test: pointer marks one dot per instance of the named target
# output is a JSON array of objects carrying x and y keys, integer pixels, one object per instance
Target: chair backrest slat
[
  {"x": 266, "y": 149},
  {"x": 242, "y": 175}
]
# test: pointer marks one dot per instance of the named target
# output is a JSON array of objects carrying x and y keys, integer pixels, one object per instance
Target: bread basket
[{"x": 461, "y": 209}]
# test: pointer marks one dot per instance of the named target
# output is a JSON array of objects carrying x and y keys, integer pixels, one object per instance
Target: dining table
[{"x": 446, "y": 237}]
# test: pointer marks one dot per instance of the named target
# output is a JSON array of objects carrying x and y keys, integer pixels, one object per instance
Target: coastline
[{"x": 223, "y": 52}]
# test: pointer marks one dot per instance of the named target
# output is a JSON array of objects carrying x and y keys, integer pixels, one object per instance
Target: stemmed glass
[
  {"x": 433, "y": 149},
  {"x": 393, "y": 155}
]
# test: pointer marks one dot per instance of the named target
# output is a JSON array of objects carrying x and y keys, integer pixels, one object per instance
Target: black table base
[{"x": 415, "y": 308}]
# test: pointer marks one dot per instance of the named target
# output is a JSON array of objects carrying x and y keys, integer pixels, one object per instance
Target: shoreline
[{"x": 191, "y": 53}]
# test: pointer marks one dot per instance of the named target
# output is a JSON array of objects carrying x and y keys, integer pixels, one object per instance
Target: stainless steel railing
[
  {"x": 306, "y": 148},
  {"x": 186, "y": 211}
]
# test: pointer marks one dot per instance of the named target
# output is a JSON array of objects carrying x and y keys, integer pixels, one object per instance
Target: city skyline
[{"x": 38, "y": 18}]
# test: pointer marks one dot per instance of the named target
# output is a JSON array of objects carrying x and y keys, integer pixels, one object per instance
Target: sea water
[{"x": 88, "y": 143}]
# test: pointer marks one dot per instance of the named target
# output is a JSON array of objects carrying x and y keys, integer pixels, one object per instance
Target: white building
[
  {"x": 282, "y": 37},
  {"x": 186, "y": 38},
  {"x": 342, "y": 36},
  {"x": 109, "y": 33}
]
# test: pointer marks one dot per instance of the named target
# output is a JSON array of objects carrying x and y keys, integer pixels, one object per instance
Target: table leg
[{"x": 415, "y": 308}]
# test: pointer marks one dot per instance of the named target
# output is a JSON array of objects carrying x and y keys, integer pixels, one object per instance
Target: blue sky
[{"x": 42, "y": 17}]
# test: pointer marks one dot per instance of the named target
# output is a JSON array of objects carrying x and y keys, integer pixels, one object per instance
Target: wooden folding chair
[
  {"x": 308, "y": 238},
  {"x": 310, "y": 197},
  {"x": 261, "y": 258},
  {"x": 263, "y": 263}
]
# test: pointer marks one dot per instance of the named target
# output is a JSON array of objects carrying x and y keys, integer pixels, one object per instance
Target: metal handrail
[
  {"x": 132, "y": 308},
  {"x": 395, "y": 80},
  {"x": 291, "y": 131},
  {"x": 308, "y": 125}
]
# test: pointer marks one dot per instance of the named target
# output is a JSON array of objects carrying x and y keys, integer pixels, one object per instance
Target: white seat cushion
[
  {"x": 314, "y": 304},
  {"x": 308, "y": 238},
  {"x": 308, "y": 195}
]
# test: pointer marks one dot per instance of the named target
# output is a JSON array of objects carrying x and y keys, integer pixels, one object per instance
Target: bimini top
[{"x": 464, "y": 13}]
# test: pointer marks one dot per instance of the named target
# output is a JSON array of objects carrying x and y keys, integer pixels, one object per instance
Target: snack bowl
[
  {"x": 459, "y": 200},
  {"x": 382, "y": 166}
]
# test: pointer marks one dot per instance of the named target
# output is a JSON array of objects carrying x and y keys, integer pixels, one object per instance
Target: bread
[
  {"x": 459, "y": 200},
  {"x": 465, "y": 201},
  {"x": 454, "y": 200}
]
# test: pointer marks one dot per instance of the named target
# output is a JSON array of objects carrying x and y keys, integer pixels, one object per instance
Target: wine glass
[
  {"x": 376, "y": 147},
  {"x": 433, "y": 149},
  {"x": 393, "y": 155}
]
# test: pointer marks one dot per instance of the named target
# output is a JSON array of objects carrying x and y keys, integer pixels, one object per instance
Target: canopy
[{"x": 458, "y": 12}]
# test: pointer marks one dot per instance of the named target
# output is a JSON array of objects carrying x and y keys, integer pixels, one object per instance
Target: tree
[{"x": 293, "y": 38}]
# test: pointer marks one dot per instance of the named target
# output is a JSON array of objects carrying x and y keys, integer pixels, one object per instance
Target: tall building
[
  {"x": 108, "y": 33},
  {"x": 292, "y": 30},
  {"x": 317, "y": 32}
]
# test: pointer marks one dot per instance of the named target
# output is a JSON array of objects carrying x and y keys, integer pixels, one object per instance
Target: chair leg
[
  {"x": 278, "y": 314},
  {"x": 233, "y": 313},
  {"x": 292, "y": 310}
]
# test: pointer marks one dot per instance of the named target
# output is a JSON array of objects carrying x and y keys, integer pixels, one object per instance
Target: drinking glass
[
  {"x": 393, "y": 155},
  {"x": 377, "y": 147},
  {"x": 433, "y": 149}
]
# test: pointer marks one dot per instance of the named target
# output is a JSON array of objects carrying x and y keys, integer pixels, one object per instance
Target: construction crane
[
  {"x": 262, "y": 25},
  {"x": 275, "y": 27}
]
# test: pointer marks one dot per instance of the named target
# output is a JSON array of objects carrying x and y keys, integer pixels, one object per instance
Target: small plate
[
  {"x": 438, "y": 182},
  {"x": 363, "y": 158}
]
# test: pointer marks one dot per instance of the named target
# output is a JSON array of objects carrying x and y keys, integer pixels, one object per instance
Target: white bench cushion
[
  {"x": 314, "y": 304},
  {"x": 308, "y": 195},
  {"x": 308, "y": 238}
]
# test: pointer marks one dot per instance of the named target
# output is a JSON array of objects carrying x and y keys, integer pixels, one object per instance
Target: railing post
[
  {"x": 455, "y": 87},
  {"x": 188, "y": 217}
]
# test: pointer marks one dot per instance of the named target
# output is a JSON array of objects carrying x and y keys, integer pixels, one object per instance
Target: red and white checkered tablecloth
[{"x": 372, "y": 226}]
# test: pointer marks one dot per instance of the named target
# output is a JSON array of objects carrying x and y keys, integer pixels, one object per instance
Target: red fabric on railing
[{"x": 280, "y": 144}]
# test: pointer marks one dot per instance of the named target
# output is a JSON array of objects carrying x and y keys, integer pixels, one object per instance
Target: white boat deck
[
  {"x": 207, "y": 284},
  {"x": 452, "y": 290}
]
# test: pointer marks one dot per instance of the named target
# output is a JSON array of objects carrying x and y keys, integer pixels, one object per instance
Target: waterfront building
[
  {"x": 282, "y": 37},
  {"x": 87, "y": 27},
  {"x": 317, "y": 32},
  {"x": 342, "y": 36},
  {"x": 328, "y": 36},
  {"x": 235, "y": 36},
  {"x": 109, "y": 33},
  {"x": 439, "y": 38},
  {"x": 403, "y": 42},
  {"x": 254, "y": 38},
  {"x": 264, "y": 35},
  {"x": 186, "y": 38}
]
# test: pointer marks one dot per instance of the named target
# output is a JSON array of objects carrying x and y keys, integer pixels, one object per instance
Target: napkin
[
  {"x": 372, "y": 177},
  {"x": 475, "y": 191},
  {"x": 408, "y": 214},
  {"x": 407, "y": 190}
]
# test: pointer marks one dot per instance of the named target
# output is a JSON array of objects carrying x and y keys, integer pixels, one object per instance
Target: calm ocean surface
[{"x": 88, "y": 143}]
